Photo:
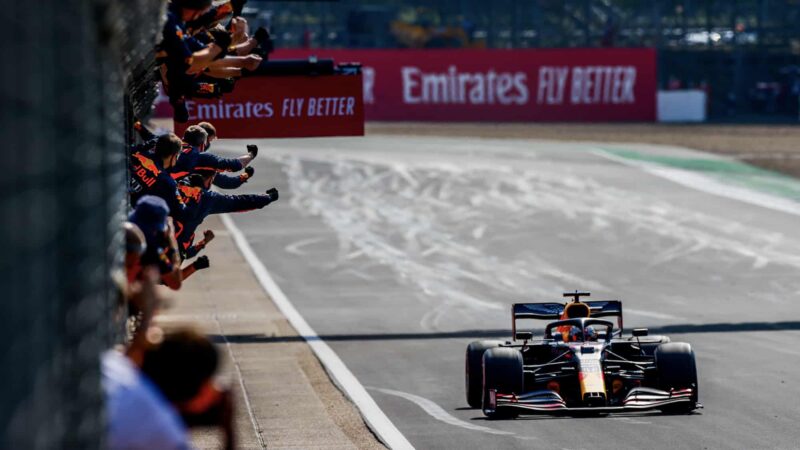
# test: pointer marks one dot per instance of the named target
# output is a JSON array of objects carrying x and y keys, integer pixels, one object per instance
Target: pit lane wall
[{"x": 536, "y": 85}]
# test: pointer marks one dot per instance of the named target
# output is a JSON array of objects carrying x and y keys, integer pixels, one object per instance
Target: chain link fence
[{"x": 67, "y": 66}]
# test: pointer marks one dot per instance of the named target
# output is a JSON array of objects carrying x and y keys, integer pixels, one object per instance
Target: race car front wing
[{"x": 546, "y": 401}]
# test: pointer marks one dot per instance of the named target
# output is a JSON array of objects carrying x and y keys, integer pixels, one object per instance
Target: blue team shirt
[
  {"x": 192, "y": 159},
  {"x": 200, "y": 203},
  {"x": 148, "y": 177}
]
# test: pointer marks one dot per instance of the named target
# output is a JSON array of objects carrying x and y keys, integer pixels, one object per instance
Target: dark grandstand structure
[{"x": 745, "y": 53}]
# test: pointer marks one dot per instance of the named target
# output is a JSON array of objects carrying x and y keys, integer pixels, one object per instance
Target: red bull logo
[
  {"x": 147, "y": 163},
  {"x": 144, "y": 178},
  {"x": 190, "y": 192},
  {"x": 146, "y": 171}
]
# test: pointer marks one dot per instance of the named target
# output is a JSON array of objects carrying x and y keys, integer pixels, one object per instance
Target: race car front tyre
[
  {"x": 502, "y": 371},
  {"x": 473, "y": 370},
  {"x": 677, "y": 369}
]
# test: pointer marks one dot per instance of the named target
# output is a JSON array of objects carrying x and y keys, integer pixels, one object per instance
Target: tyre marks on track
[{"x": 438, "y": 413}]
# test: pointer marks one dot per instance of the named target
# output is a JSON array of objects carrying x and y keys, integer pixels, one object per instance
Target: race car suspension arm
[
  {"x": 534, "y": 368},
  {"x": 641, "y": 365}
]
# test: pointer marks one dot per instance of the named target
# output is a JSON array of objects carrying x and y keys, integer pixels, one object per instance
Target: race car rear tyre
[
  {"x": 473, "y": 370},
  {"x": 677, "y": 369},
  {"x": 502, "y": 370}
]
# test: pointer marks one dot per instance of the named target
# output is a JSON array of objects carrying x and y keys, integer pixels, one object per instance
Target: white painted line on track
[
  {"x": 438, "y": 413},
  {"x": 341, "y": 375},
  {"x": 709, "y": 185},
  {"x": 253, "y": 421}
]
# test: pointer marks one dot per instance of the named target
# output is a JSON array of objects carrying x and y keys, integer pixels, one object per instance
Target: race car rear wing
[{"x": 553, "y": 311}]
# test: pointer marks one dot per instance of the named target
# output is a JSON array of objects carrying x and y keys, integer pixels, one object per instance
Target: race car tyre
[
  {"x": 502, "y": 370},
  {"x": 677, "y": 369},
  {"x": 473, "y": 370}
]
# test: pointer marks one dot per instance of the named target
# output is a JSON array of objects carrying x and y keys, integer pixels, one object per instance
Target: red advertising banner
[
  {"x": 597, "y": 85},
  {"x": 284, "y": 106}
]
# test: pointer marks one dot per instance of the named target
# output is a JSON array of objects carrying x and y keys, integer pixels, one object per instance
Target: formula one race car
[{"x": 581, "y": 364}]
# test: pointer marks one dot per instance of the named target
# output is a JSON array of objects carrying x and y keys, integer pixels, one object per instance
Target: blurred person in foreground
[
  {"x": 162, "y": 384},
  {"x": 135, "y": 246},
  {"x": 139, "y": 416}
]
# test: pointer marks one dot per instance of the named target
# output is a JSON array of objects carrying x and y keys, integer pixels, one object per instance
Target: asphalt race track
[{"x": 399, "y": 251}]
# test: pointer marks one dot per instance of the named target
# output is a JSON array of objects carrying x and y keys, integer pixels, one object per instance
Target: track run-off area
[{"x": 399, "y": 250}]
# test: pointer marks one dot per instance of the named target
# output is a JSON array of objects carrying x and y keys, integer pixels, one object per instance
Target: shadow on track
[
  {"x": 559, "y": 416},
  {"x": 494, "y": 334}
]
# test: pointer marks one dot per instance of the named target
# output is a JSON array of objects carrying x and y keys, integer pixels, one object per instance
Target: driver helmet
[
  {"x": 575, "y": 334},
  {"x": 590, "y": 333}
]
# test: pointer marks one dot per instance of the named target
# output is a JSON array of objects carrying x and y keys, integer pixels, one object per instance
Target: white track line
[
  {"x": 253, "y": 420},
  {"x": 341, "y": 375},
  {"x": 708, "y": 185},
  {"x": 438, "y": 413}
]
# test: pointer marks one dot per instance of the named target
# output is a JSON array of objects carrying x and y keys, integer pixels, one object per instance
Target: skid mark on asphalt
[
  {"x": 467, "y": 194},
  {"x": 438, "y": 413},
  {"x": 762, "y": 247},
  {"x": 458, "y": 233},
  {"x": 419, "y": 222},
  {"x": 296, "y": 248}
]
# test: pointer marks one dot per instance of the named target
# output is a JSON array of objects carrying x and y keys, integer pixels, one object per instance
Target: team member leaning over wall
[
  {"x": 151, "y": 216},
  {"x": 149, "y": 173},
  {"x": 222, "y": 180},
  {"x": 195, "y": 154},
  {"x": 194, "y": 157},
  {"x": 201, "y": 202}
]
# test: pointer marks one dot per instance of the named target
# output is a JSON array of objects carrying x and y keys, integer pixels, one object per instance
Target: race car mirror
[
  {"x": 639, "y": 332},
  {"x": 524, "y": 335}
]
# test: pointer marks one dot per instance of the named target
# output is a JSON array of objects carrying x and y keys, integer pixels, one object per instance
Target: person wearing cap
[
  {"x": 151, "y": 215},
  {"x": 135, "y": 246},
  {"x": 202, "y": 202},
  {"x": 150, "y": 176}
]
